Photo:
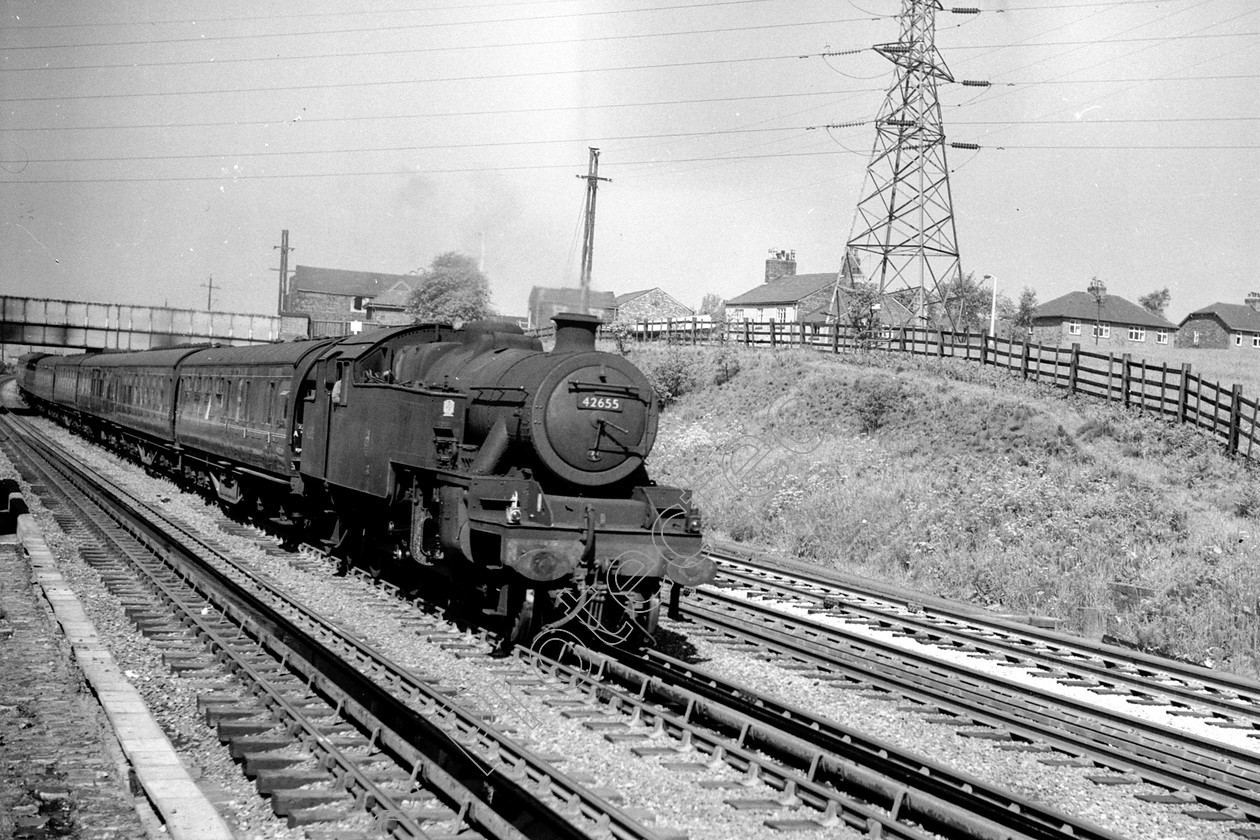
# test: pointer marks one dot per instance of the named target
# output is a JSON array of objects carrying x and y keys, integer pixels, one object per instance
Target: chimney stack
[
  {"x": 1253, "y": 300},
  {"x": 781, "y": 264}
]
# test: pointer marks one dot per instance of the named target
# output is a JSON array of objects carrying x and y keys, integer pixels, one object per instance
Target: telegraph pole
[
  {"x": 209, "y": 287},
  {"x": 906, "y": 217},
  {"x": 284, "y": 250},
  {"x": 588, "y": 239}
]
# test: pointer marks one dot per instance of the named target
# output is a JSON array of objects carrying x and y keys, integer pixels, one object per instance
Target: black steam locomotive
[{"x": 428, "y": 453}]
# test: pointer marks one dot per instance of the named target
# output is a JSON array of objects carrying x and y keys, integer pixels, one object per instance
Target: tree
[
  {"x": 452, "y": 289},
  {"x": 967, "y": 303},
  {"x": 1156, "y": 302},
  {"x": 1023, "y": 317},
  {"x": 713, "y": 306}
]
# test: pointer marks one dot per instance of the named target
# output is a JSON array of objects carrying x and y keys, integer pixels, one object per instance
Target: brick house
[
  {"x": 389, "y": 309},
  {"x": 544, "y": 303},
  {"x": 1106, "y": 321},
  {"x": 337, "y": 301},
  {"x": 783, "y": 295},
  {"x": 650, "y": 305},
  {"x": 1223, "y": 326}
]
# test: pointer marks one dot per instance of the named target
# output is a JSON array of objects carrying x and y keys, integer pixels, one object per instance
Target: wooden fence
[{"x": 1174, "y": 392}]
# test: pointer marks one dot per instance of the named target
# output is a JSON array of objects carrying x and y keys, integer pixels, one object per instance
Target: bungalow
[
  {"x": 335, "y": 301},
  {"x": 814, "y": 299},
  {"x": 1101, "y": 320},
  {"x": 1223, "y": 326}
]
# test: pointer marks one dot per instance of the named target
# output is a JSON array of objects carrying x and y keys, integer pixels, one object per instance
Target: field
[
  {"x": 965, "y": 482},
  {"x": 1228, "y": 367}
]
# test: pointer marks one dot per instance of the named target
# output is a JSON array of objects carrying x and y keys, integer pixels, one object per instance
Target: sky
[{"x": 148, "y": 147}]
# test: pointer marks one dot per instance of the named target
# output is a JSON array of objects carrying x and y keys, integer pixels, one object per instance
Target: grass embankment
[{"x": 962, "y": 481}]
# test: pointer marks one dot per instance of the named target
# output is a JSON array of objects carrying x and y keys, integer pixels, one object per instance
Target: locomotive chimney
[{"x": 575, "y": 331}]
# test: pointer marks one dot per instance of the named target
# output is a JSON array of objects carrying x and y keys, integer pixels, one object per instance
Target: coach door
[{"x": 315, "y": 417}]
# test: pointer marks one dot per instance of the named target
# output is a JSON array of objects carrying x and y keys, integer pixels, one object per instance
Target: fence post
[
  {"x": 1074, "y": 364},
  {"x": 967, "y": 344},
  {"x": 693, "y": 330},
  {"x": 835, "y": 338},
  {"x": 940, "y": 344},
  {"x": 1023, "y": 360},
  {"x": 747, "y": 333},
  {"x": 1235, "y": 419},
  {"x": 773, "y": 337},
  {"x": 1124, "y": 379},
  {"x": 1111, "y": 363},
  {"x": 1183, "y": 393}
]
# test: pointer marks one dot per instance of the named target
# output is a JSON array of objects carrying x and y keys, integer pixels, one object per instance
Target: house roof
[
  {"x": 629, "y": 296},
  {"x": 570, "y": 297},
  {"x": 622, "y": 300},
  {"x": 391, "y": 299},
  {"x": 1081, "y": 306},
  {"x": 336, "y": 281},
  {"x": 1235, "y": 316},
  {"x": 785, "y": 290}
]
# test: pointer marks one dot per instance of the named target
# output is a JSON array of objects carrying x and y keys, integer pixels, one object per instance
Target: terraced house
[
  {"x": 1107, "y": 322},
  {"x": 1223, "y": 326}
]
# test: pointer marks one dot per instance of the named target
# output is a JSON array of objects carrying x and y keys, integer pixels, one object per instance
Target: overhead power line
[
  {"x": 205, "y": 39},
  {"x": 350, "y": 85},
  {"x": 441, "y": 114},
  {"x": 218, "y": 60}
]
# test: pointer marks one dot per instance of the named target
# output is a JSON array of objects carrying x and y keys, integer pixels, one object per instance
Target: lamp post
[{"x": 992, "y": 307}]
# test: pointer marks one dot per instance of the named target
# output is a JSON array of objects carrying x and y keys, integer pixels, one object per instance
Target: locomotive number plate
[{"x": 592, "y": 403}]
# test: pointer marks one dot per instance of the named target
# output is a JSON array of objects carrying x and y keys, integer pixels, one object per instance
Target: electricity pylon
[{"x": 906, "y": 217}]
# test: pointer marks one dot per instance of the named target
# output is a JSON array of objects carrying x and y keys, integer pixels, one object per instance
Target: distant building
[
  {"x": 544, "y": 303},
  {"x": 1105, "y": 321},
  {"x": 650, "y": 305},
  {"x": 816, "y": 299},
  {"x": 1223, "y": 326},
  {"x": 389, "y": 308},
  {"x": 337, "y": 301}
]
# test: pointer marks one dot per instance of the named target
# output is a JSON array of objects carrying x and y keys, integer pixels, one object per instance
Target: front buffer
[{"x": 578, "y": 563}]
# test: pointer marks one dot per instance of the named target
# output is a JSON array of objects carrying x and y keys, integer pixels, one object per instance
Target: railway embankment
[{"x": 960, "y": 481}]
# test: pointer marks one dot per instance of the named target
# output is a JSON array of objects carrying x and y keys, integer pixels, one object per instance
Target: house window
[
  {"x": 1161, "y": 336},
  {"x": 1194, "y": 338},
  {"x": 1074, "y": 327},
  {"x": 1238, "y": 339},
  {"x": 782, "y": 313},
  {"x": 1137, "y": 334},
  {"x": 1255, "y": 341},
  {"x": 359, "y": 305},
  {"x": 1102, "y": 330}
]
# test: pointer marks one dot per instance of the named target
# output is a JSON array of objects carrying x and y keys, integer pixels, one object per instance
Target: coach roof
[
  {"x": 167, "y": 357},
  {"x": 282, "y": 353}
]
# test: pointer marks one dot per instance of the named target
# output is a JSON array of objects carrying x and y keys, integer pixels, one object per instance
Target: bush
[{"x": 673, "y": 375}]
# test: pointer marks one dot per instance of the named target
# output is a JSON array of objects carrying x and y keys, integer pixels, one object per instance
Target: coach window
[{"x": 242, "y": 399}]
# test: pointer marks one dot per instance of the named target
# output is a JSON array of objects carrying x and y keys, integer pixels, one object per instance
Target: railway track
[
  {"x": 333, "y": 731},
  {"x": 735, "y": 738},
  {"x": 828, "y": 773},
  {"x": 1213, "y": 781},
  {"x": 1215, "y": 698}
]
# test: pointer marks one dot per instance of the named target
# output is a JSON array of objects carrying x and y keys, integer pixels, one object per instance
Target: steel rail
[
  {"x": 899, "y": 818},
  {"x": 502, "y": 777},
  {"x": 1215, "y": 775},
  {"x": 192, "y": 605},
  {"x": 850, "y": 756},
  {"x": 1200, "y": 686}
]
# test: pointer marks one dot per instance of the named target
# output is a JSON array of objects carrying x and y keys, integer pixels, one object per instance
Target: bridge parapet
[{"x": 82, "y": 325}]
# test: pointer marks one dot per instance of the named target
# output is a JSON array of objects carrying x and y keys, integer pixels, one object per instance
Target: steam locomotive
[{"x": 469, "y": 460}]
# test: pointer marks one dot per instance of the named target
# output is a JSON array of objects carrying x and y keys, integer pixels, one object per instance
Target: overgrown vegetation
[{"x": 962, "y": 481}]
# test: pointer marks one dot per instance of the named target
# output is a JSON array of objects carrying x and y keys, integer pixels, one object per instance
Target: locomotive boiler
[{"x": 468, "y": 461}]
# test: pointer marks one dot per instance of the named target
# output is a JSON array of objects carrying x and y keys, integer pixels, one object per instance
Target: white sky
[{"x": 147, "y": 146}]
